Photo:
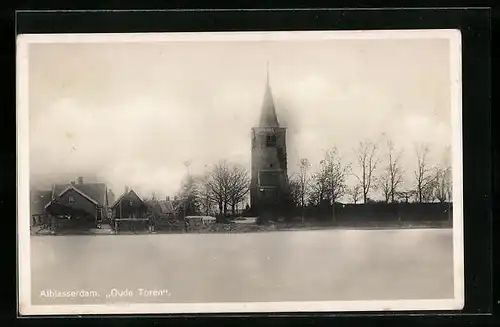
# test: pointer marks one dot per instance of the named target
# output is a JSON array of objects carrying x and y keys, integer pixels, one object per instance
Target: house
[
  {"x": 167, "y": 207},
  {"x": 129, "y": 205},
  {"x": 39, "y": 199},
  {"x": 163, "y": 214},
  {"x": 129, "y": 212},
  {"x": 162, "y": 208},
  {"x": 86, "y": 203}
]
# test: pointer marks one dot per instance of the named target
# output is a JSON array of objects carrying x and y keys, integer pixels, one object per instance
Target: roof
[
  {"x": 95, "y": 191},
  {"x": 268, "y": 117},
  {"x": 132, "y": 193},
  {"x": 162, "y": 206},
  {"x": 166, "y": 206}
]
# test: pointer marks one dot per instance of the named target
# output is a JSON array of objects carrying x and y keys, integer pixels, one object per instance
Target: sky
[{"x": 134, "y": 113}]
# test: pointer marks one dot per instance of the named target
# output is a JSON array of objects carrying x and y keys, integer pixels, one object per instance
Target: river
[{"x": 251, "y": 267}]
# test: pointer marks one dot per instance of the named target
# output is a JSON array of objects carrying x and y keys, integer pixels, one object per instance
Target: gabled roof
[
  {"x": 96, "y": 191},
  {"x": 268, "y": 117},
  {"x": 131, "y": 193},
  {"x": 72, "y": 187}
]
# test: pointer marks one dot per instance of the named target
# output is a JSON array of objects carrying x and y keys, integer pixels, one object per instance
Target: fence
[
  {"x": 381, "y": 213},
  {"x": 131, "y": 224}
]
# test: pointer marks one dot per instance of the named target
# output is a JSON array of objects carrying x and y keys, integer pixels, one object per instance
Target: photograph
[{"x": 239, "y": 172}]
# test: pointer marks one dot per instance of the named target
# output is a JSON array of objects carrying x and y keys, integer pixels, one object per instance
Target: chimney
[
  {"x": 126, "y": 189},
  {"x": 167, "y": 198},
  {"x": 80, "y": 180}
]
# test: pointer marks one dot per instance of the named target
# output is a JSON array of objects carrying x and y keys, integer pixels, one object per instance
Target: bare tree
[
  {"x": 226, "y": 185},
  {"x": 333, "y": 174},
  {"x": 442, "y": 184},
  {"x": 318, "y": 189},
  {"x": 385, "y": 186},
  {"x": 295, "y": 189},
  {"x": 206, "y": 198},
  {"x": 367, "y": 161},
  {"x": 443, "y": 179},
  {"x": 303, "y": 179},
  {"x": 392, "y": 176},
  {"x": 355, "y": 193},
  {"x": 188, "y": 195},
  {"x": 424, "y": 178},
  {"x": 238, "y": 186},
  {"x": 406, "y": 195},
  {"x": 218, "y": 185}
]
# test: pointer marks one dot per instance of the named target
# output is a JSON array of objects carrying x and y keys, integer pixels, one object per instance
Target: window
[
  {"x": 269, "y": 178},
  {"x": 131, "y": 202},
  {"x": 71, "y": 199},
  {"x": 271, "y": 140}
]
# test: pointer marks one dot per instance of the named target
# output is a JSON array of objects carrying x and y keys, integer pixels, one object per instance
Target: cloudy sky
[{"x": 133, "y": 113}]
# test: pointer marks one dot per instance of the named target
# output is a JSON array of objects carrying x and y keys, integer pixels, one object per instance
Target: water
[{"x": 273, "y": 266}]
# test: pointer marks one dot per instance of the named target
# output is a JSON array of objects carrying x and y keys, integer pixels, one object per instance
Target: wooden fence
[{"x": 131, "y": 224}]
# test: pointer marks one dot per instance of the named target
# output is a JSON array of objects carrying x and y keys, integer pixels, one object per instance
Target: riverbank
[{"x": 249, "y": 228}]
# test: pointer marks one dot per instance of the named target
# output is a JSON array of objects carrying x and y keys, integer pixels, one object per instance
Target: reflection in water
[{"x": 274, "y": 266}]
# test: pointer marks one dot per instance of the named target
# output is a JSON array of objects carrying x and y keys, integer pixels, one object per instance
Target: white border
[{"x": 25, "y": 306}]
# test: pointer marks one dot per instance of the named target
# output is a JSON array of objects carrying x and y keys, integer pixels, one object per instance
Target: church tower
[{"x": 269, "y": 188}]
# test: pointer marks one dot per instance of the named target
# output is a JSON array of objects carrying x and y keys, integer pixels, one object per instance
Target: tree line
[
  {"x": 219, "y": 190},
  {"x": 373, "y": 172},
  {"x": 225, "y": 186}
]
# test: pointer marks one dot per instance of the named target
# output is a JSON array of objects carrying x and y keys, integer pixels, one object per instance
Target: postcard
[{"x": 239, "y": 172}]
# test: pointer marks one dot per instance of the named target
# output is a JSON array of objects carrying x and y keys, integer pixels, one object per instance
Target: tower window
[
  {"x": 270, "y": 140},
  {"x": 268, "y": 178}
]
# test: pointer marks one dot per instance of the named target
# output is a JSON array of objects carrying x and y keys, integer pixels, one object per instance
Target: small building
[
  {"x": 167, "y": 207},
  {"x": 130, "y": 212},
  {"x": 129, "y": 205},
  {"x": 164, "y": 208},
  {"x": 163, "y": 214}
]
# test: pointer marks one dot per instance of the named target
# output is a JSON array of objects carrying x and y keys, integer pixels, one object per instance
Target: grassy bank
[{"x": 252, "y": 228}]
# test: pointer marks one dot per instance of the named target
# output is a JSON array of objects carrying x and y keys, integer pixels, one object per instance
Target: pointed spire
[{"x": 268, "y": 116}]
